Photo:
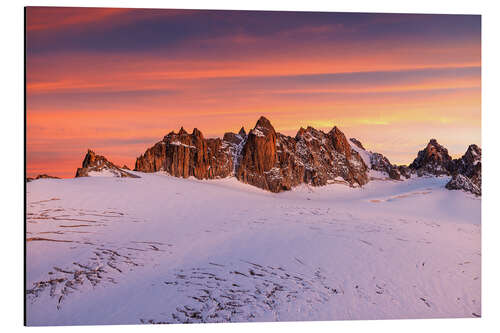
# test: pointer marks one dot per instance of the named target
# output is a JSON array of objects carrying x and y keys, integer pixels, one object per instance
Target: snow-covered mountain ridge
[{"x": 276, "y": 162}]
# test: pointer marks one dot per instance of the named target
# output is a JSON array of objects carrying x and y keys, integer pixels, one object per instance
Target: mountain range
[{"x": 276, "y": 162}]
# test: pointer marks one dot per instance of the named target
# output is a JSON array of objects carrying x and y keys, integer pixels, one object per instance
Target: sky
[{"x": 117, "y": 80}]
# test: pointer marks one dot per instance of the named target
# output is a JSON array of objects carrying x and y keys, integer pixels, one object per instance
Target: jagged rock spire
[
  {"x": 262, "y": 157},
  {"x": 97, "y": 163},
  {"x": 433, "y": 159}
]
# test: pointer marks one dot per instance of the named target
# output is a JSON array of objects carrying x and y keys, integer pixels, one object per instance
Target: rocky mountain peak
[
  {"x": 473, "y": 154},
  {"x": 264, "y": 122},
  {"x": 263, "y": 127},
  {"x": 300, "y": 133},
  {"x": 263, "y": 157},
  {"x": 197, "y": 133},
  {"x": 434, "y": 151},
  {"x": 276, "y": 162},
  {"x": 467, "y": 171},
  {"x": 182, "y": 131},
  {"x": 340, "y": 141},
  {"x": 259, "y": 153},
  {"x": 94, "y": 164},
  {"x": 309, "y": 134},
  {"x": 433, "y": 159},
  {"x": 89, "y": 159}
]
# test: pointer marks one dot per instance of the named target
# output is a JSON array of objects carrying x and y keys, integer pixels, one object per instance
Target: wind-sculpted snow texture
[{"x": 186, "y": 251}]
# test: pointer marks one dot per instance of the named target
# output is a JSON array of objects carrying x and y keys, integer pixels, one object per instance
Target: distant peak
[
  {"x": 434, "y": 145},
  {"x": 263, "y": 122},
  {"x": 433, "y": 142},
  {"x": 182, "y": 131},
  {"x": 197, "y": 133},
  {"x": 473, "y": 152},
  {"x": 242, "y": 131},
  {"x": 474, "y": 147},
  {"x": 301, "y": 131},
  {"x": 336, "y": 131},
  {"x": 263, "y": 127}
]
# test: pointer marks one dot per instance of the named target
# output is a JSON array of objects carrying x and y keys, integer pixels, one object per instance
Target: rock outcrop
[
  {"x": 461, "y": 182},
  {"x": 470, "y": 163},
  {"x": 42, "y": 176},
  {"x": 467, "y": 172},
  {"x": 276, "y": 162},
  {"x": 97, "y": 165},
  {"x": 381, "y": 163},
  {"x": 433, "y": 160},
  {"x": 185, "y": 155},
  {"x": 378, "y": 162},
  {"x": 404, "y": 171},
  {"x": 263, "y": 157},
  {"x": 357, "y": 143}
]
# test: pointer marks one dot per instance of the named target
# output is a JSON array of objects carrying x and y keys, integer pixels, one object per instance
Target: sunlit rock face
[
  {"x": 263, "y": 157},
  {"x": 185, "y": 155},
  {"x": 275, "y": 162}
]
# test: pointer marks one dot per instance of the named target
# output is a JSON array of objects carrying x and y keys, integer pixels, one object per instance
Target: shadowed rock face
[
  {"x": 465, "y": 171},
  {"x": 433, "y": 160},
  {"x": 98, "y": 163},
  {"x": 404, "y": 171},
  {"x": 263, "y": 157},
  {"x": 357, "y": 143},
  {"x": 467, "y": 174},
  {"x": 379, "y": 162},
  {"x": 460, "y": 182},
  {"x": 470, "y": 163}
]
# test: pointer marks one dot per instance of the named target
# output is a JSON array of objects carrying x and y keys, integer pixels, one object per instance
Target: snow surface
[{"x": 160, "y": 249}]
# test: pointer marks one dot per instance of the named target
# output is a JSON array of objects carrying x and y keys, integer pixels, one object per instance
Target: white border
[{"x": 12, "y": 67}]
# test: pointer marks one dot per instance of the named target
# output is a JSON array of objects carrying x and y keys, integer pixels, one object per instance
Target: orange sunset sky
[{"x": 118, "y": 80}]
